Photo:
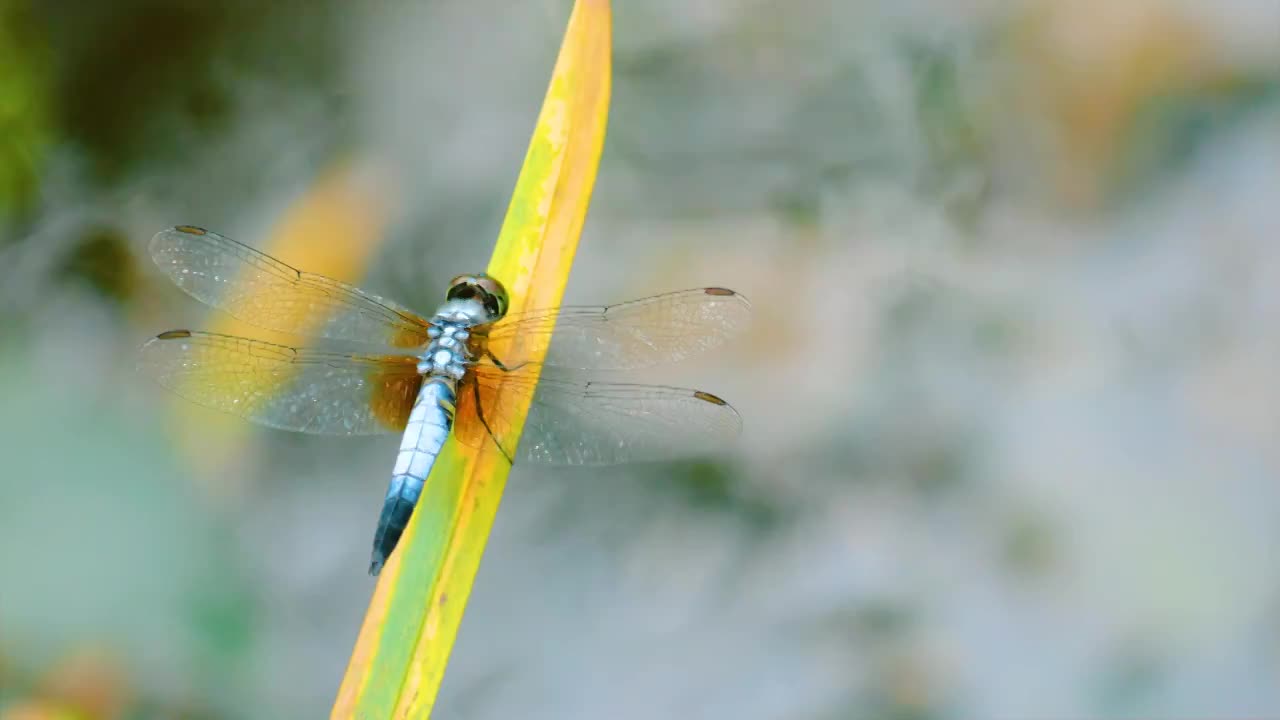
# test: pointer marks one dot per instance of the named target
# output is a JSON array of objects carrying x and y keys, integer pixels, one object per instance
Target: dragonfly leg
[
  {"x": 501, "y": 365},
  {"x": 475, "y": 390}
]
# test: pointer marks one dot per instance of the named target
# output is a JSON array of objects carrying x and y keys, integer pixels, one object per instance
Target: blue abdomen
[{"x": 429, "y": 425}]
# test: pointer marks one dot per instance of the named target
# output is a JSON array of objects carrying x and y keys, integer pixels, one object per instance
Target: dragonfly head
[{"x": 484, "y": 298}]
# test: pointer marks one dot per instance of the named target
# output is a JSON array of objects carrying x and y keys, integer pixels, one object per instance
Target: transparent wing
[
  {"x": 297, "y": 389},
  {"x": 576, "y": 421},
  {"x": 658, "y": 329},
  {"x": 263, "y": 291}
]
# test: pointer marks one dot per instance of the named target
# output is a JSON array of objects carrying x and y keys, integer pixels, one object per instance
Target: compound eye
[
  {"x": 496, "y": 292},
  {"x": 461, "y": 287}
]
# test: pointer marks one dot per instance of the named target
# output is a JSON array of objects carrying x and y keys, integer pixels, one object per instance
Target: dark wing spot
[
  {"x": 191, "y": 230},
  {"x": 721, "y": 292},
  {"x": 174, "y": 335},
  {"x": 708, "y": 397}
]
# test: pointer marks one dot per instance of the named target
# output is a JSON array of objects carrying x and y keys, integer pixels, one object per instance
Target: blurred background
[{"x": 1010, "y": 399}]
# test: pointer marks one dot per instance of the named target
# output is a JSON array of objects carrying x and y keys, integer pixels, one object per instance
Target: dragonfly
[{"x": 466, "y": 370}]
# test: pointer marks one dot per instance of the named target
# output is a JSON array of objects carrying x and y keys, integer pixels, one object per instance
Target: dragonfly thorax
[{"x": 447, "y": 354}]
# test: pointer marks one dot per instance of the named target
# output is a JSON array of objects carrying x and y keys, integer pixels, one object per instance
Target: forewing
[
  {"x": 303, "y": 390},
  {"x": 576, "y": 421},
  {"x": 263, "y": 291},
  {"x": 658, "y": 329}
]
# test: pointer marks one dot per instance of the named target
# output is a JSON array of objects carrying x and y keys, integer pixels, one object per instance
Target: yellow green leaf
[{"x": 408, "y": 632}]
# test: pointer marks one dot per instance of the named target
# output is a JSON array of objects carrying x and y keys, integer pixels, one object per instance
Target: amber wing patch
[{"x": 393, "y": 393}]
